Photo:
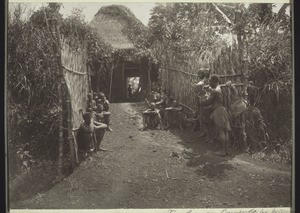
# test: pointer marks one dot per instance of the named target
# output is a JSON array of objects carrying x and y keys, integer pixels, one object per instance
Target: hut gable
[{"x": 113, "y": 24}]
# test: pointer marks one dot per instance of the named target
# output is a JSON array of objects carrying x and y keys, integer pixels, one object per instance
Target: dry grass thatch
[{"x": 112, "y": 23}]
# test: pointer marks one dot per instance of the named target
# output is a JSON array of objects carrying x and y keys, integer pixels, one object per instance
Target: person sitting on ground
[
  {"x": 174, "y": 115},
  {"x": 104, "y": 101},
  {"x": 105, "y": 104},
  {"x": 98, "y": 131},
  {"x": 85, "y": 136},
  {"x": 219, "y": 115},
  {"x": 103, "y": 116},
  {"x": 91, "y": 103},
  {"x": 151, "y": 118},
  {"x": 168, "y": 104},
  {"x": 160, "y": 103}
]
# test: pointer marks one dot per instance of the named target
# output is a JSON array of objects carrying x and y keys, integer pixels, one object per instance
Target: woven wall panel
[
  {"x": 78, "y": 90},
  {"x": 179, "y": 74},
  {"x": 76, "y": 78}
]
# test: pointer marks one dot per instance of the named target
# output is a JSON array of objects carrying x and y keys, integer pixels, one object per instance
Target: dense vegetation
[
  {"x": 190, "y": 30},
  {"x": 200, "y": 31}
]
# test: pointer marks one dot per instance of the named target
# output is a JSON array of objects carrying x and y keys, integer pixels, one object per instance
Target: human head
[
  {"x": 158, "y": 96},
  {"x": 87, "y": 118},
  {"x": 98, "y": 101},
  {"x": 102, "y": 96},
  {"x": 214, "y": 81},
  {"x": 169, "y": 101},
  {"x": 89, "y": 96},
  {"x": 175, "y": 103},
  {"x": 100, "y": 107},
  {"x": 152, "y": 106},
  {"x": 203, "y": 73}
]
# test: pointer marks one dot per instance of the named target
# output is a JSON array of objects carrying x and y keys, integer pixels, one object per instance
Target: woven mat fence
[
  {"x": 76, "y": 78},
  {"x": 179, "y": 75}
]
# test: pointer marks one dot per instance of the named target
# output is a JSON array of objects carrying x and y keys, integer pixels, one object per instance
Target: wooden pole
[
  {"x": 149, "y": 75},
  {"x": 89, "y": 77},
  {"x": 60, "y": 101},
  {"x": 70, "y": 138},
  {"x": 55, "y": 36},
  {"x": 111, "y": 80}
]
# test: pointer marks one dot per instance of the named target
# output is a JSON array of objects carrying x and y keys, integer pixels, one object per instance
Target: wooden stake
[{"x": 111, "y": 80}]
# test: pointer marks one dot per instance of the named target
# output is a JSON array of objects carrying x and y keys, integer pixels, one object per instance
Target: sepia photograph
[{"x": 177, "y": 106}]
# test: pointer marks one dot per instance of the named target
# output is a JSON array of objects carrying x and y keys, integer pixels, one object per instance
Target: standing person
[
  {"x": 237, "y": 116},
  {"x": 219, "y": 115},
  {"x": 129, "y": 91},
  {"x": 202, "y": 114}
]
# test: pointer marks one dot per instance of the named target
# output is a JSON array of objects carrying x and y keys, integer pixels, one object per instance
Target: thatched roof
[{"x": 115, "y": 25}]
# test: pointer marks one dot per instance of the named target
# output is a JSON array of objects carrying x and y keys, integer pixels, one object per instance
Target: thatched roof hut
[{"x": 118, "y": 26}]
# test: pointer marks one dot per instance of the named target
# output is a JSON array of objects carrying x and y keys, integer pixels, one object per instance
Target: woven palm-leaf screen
[
  {"x": 75, "y": 75},
  {"x": 180, "y": 72}
]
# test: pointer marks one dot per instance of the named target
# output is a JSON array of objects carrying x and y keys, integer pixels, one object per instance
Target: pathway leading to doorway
[{"x": 164, "y": 169}]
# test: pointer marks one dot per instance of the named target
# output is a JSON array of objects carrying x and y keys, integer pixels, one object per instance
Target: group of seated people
[
  {"x": 211, "y": 116},
  {"x": 164, "y": 112},
  {"x": 96, "y": 120}
]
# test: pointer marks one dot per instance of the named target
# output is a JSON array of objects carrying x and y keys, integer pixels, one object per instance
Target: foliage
[
  {"x": 32, "y": 108},
  {"x": 176, "y": 29},
  {"x": 270, "y": 57},
  {"x": 182, "y": 32}
]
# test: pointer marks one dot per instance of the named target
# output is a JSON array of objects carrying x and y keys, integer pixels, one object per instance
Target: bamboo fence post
[
  {"x": 70, "y": 138},
  {"x": 54, "y": 34},
  {"x": 60, "y": 99},
  {"x": 149, "y": 77},
  {"x": 111, "y": 80}
]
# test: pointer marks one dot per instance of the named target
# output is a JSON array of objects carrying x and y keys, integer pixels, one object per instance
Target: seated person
[
  {"x": 161, "y": 103},
  {"x": 105, "y": 104},
  {"x": 98, "y": 130},
  {"x": 91, "y": 103},
  {"x": 103, "y": 116},
  {"x": 104, "y": 101},
  {"x": 174, "y": 115},
  {"x": 85, "y": 136},
  {"x": 151, "y": 118}
]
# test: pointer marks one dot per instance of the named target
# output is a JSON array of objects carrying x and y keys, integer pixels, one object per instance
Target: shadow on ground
[{"x": 200, "y": 155}]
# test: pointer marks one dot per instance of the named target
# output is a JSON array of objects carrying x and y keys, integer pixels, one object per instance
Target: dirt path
[{"x": 139, "y": 171}]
